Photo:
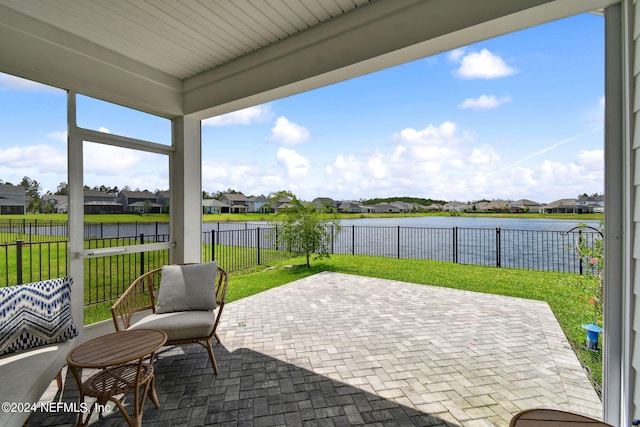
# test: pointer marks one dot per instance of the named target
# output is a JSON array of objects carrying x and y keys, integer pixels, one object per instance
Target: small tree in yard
[{"x": 301, "y": 227}]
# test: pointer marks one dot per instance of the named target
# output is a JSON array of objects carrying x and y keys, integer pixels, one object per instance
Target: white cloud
[
  {"x": 421, "y": 162},
  {"x": 377, "y": 167},
  {"x": 44, "y": 163},
  {"x": 297, "y": 166},
  {"x": 593, "y": 158},
  {"x": 456, "y": 54},
  {"x": 127, "y": 160},
  {"x": 288, "y": 133},
  {"x": 133, "y": 168},
  {"x": 483, "y": 156},
  {"x": 429, "y": 135},
  {"x": 42, "y": 158},
  {"x": 439, "y": 161},
  {"x": 59, "y": 135},
  {"x": 444, "y": 162},
  {"x": 484, "y": 102},
  {"x": 481, "y": 65},
  {"x": 246, "y": 116}
]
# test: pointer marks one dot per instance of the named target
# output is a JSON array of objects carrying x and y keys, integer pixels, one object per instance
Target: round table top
[{"x": 116, "y": 348}]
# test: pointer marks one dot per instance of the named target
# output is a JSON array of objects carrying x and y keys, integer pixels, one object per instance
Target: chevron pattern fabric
[{"x": 36, "y": 314}]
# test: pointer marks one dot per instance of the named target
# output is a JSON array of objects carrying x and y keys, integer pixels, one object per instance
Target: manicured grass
[{"x": 132, "y": 218}]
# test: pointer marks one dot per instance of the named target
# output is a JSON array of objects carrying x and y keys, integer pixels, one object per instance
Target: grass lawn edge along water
[
  {"x": 132, "y": 218},
  {"x": 564, "y": 292}
]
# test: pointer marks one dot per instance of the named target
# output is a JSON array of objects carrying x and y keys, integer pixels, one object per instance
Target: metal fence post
[
  {"x": 333, "y": 249},
  {"x": 498, "y": 249},
  {"x": 213, "y": 245},
  {"x": 142, "y": 269},
  {"x": 455, "y": 245},
  {"x": 353, "y": 240},
  {"x": 398, "y": 242},
  {"x": 19, "y": 262},
  {"x": 258, "y": 244},
  {"x": 580, "y": 257}
]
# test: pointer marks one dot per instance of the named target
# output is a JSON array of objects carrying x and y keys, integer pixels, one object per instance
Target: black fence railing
[
  {"x": 237, "y": 249},
  {"x": 504, "y": 248},
  {"x": 243, "y": 247}
]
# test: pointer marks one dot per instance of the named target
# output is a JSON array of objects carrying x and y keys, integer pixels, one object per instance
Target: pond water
[
  {"x": 473, "y": 222},
  {"x": 99, "y": 231}
]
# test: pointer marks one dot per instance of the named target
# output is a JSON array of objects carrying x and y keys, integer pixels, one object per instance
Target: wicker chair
[
  {"x": 136, "y": 308},
  {"x": 540, "y": 417}
]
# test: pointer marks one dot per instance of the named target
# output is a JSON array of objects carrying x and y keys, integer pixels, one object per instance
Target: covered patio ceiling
[{"x": 209, "y": 57}]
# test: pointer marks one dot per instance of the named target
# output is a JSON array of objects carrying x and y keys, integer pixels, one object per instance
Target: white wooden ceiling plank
[
  {"x": 229, "y": 35},
  {"x": 200, "y": 30},
  {"x": 304, "y": 12},
  {"x": 289, "y": 11},
  {"x": 318, "y": 10},
  {"x": 274, "y": 13},
  {"x": 332, "y": 7},
  {"x": 230, "y": 45},
  {"x": 236, "y": 19},
  {"x": 177, "y": 30},
  {"x": 118, "y": 29},
  {"x": 256, "y": 22},
  {"x": 154, "y": 34},
  {"x": 270, "y": 28}
]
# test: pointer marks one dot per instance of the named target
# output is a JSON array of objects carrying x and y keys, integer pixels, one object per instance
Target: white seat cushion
[
  {"x": 26, "y": 375},
  {"x": 182, "y": 325}
]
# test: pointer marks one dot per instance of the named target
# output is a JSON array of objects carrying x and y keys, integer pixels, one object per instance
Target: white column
[
  {"x": 75, "y": 179},
  {"x": 185, "y": 209},
  {"x": 621, "y": 244}
]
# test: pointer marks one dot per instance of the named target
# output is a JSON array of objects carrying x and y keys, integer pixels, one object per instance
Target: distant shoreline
[{"x": 133, "y": 218}]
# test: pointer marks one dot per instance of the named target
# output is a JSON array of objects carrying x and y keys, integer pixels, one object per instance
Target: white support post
[
  {"x": 185, "y": 169},
  {"x": 75, "y": 247},
  {"x": 617, "y": 390}
]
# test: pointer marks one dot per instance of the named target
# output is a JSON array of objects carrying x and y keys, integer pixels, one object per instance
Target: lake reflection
[{"x": 120, "y": 230}]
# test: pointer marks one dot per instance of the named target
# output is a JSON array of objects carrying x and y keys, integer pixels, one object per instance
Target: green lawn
[{"x": 132, "y": 218}]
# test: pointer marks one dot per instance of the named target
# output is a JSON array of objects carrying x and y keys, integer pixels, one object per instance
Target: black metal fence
[
  {"x": 237, "y": 249},
  {"x": 504, "y": 248},
  {"x": 44, "y": 254}
]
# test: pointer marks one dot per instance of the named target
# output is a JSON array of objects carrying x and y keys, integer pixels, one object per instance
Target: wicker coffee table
[{"x": 120, "y": 358}]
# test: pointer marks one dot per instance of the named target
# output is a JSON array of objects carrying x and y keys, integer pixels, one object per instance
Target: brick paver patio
[{"x": 335, "y": 349}]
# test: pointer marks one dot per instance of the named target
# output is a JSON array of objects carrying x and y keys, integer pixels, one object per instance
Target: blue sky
[{"x": 518, "y": 116}]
